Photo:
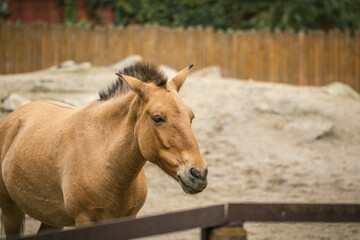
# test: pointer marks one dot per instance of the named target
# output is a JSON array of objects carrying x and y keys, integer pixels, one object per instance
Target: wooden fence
[
  {"x": 209, "y": 219},
  {"x": 316, "y": 58}
]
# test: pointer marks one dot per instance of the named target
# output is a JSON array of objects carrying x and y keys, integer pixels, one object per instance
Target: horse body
[
  {"x": 81, "y": 178},
  {"x": 66, "y": 166}
]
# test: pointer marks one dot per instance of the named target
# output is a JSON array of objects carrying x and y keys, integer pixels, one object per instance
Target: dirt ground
[{"x": 263, "y": 142}]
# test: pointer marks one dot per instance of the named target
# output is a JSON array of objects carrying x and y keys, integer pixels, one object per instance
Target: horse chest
[{"x": 104, "y": 199}]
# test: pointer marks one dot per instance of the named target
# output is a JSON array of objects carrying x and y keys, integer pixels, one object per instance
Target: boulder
[
  {"x": 13, "y": 101},
  {"x": 126, "y": 62},
  {"x": 211, "y": 71},
  {"x": 67, "y": 64},
  {"x": 341, "y": 89},
  {"x": 71, "y": 66},
  {"x": 83, "y": 66},
  {"x": 168, "y": 71},
  {"x": 309, "y": 129}
]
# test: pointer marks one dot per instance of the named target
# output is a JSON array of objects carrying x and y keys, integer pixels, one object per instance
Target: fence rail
[
  {"x": 209, "y": 218},
  {"x": 316, "y": 58}
]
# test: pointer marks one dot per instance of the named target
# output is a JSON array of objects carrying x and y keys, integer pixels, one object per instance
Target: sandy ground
[{"x": 263, "y": 143}]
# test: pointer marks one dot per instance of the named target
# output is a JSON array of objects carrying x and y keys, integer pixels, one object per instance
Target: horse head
[{"x": 163, "y": 131}]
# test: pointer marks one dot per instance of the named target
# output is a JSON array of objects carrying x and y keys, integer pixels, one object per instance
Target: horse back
[{"x": 37, "y": 112}]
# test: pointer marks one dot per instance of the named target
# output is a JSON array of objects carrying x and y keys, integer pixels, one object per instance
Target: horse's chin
[{"x": 188, "y": 189}]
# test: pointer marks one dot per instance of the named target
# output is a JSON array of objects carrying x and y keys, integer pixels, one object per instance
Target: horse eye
[{"x": 158, "y": 119}]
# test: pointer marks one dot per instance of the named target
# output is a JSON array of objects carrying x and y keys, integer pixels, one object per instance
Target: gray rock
[
  {"x": 309, "y": 129},
  {"x": 212, "y": 71},
  {"x": 169, "y": 72},
  {"x": 341, "y": 89},
  {"x": 71, "y": 66},
  {"x": 67, "y": 64},
  {"x": 13, "y": 101},
  {"x": 130, "y": 60}
]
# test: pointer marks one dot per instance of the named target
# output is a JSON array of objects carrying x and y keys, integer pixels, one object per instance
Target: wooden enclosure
[{"x": 315, "y": 58}]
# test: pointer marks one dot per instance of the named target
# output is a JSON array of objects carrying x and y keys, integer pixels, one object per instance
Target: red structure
[{"x": 29, "y": 11}]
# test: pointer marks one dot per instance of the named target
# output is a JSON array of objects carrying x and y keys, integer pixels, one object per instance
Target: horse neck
[{"x": 115, "y": 120}]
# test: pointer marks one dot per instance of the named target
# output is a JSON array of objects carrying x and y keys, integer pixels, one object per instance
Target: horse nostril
[{"x": 198, "y": 174}]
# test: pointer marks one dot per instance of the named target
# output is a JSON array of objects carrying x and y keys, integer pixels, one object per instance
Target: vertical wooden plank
[
  {"x": 352, "y": 52},
  {"x": 254, "y": 55},
  {"x": 63, "y": 55},
  {"x": 7, "y": 53},
  {"x": 117, "y": 52},
  {"x": 57, "y": 44},
  {"x": 155, "y": 34},
  {"x": 130, "y": 40},
  {"x": 16, "y": 39},
  {"x": 211, "y": 57},
  {"x": 226, "y": 54},
  {"x": 309, "y": 58},
  {"x": 171, "y": 53},
  {"x": 196, "y": 49},
  {"x": 2, "y": 46},
  {"x": 12, "y": 51},
  {"x": 102, "y": 47},
  {"x": 318, "y": 44},
  {"x": 285, "y": 57},
  {"x": 68, "y": 42},
  {"x": 25, "y": 49},
  {"x": 113, "y": 45},
  {"x": 232, "y": 53},
  {"x": 262, "y": 57},
  {"x": 274, "y": 52},
  {"x": 280, "y": 56},
  {"x": 302, "y": 59},
  {"x": 333, "y": 58},
  {"x": 241, "y": 57},
  {"x": 79, "y": 42},
  {"x": 357, "y": 61},
  {"x": 200, "y": 47},
  {"x": 337, "y": 55},
  {"x": 326, "y": 59},
  {"x": 292, "y": 58},
  {"x": 342, "y": 58},
  {"x": 32, "y": 46},
  {"x": 220, "y": 41},
  {"x": 189, "y": 33},
  {"x": 39, "y": 52},
  {"x": 45, "y": 46},
  {"x": 22, "y": 49},
  {"x": 350, "y": 65},
  {"x": 181, "y": 46}
]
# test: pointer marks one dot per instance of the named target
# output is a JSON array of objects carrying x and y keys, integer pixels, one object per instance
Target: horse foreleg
[{"x": 13, "y": 218}]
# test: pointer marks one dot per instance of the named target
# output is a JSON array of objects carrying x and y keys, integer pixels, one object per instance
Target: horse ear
[
  {"x": 138, "y": 86},
  {"x": 180, "y": 78}
]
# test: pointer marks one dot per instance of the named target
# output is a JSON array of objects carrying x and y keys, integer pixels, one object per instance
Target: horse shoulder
[{"x": 8, "y": 131}]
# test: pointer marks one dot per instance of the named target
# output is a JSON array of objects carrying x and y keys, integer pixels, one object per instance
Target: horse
[{"x": 67, "y": 166}]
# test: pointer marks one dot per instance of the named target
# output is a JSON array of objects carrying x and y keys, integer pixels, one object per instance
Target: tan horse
[{"x": 66, "y": 166}]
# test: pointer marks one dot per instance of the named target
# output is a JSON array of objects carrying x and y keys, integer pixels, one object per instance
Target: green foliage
[
  {"x": 301, "y": 14},
  {"x": 4, "y": 11},
  {"x": 236, "y": 14},
  {"x": 69, "y": 11}
]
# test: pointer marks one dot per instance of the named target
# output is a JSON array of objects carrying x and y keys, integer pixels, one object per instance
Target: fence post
[{"x": 232, "y": 231}]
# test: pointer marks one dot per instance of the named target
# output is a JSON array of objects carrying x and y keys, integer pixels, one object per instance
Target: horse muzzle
[{"x": 193, "y": 180}]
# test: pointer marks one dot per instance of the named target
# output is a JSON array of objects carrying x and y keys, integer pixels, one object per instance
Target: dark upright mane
[{"x": 145, "y": 72}]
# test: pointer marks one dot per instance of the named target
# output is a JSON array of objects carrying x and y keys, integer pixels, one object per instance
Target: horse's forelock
[{"x": 145, "y": 72}]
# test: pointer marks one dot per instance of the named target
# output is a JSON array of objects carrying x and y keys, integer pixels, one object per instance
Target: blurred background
[
  {"x": 275, "y": 90},
  {"x": 311, "y": 42}
]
